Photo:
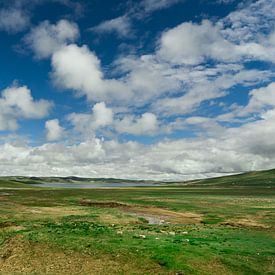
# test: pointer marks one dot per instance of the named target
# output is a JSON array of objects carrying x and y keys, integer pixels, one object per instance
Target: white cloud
[
  {"x": 16, "y": 103},
  {"x": 249, "y": 147},
  {"x": 46, "y": 38},
  {"x": 86, "y": 124},
  {"x": 121, "y": 25},
  {"x": 191, "y": 43},
  {"x": 249, "y": 22},
  {"x": 102, "y": 116},
  {"x": 79, "y": 69},
  {"x": 261, "y": 98},
  {"x": 204, "y": 85},
  {"x": 13, "y": 20},
  {"x": 146, "y": 124},
  {"x": 147, "y": 78},
  {"x": 54, "y": 130}
]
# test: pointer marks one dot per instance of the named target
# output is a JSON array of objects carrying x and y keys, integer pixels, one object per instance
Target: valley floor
[{"x": 146, "y": 230}]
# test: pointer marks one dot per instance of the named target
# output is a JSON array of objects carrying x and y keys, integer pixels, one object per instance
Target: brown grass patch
[
  {"x": 18, "y": 256},
  {"x": 160, "y": 213},
  {"x": 47, "y": 212},
  {"x": 245, "y": 222}
]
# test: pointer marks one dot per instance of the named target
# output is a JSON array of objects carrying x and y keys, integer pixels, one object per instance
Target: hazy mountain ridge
[{"x": 256, "y": 178}]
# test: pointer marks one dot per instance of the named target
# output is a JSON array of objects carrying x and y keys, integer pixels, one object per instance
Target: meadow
[{"x": 214, "y": 226}]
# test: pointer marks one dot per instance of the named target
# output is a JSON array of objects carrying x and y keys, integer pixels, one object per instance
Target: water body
[{"x": 93, "y": 185}]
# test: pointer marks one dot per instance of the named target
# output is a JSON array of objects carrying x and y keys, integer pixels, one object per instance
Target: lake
[{"x": 93, "y": 185}]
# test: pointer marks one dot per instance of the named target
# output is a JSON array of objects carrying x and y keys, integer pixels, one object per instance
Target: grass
[{"x": 209, "y": 227}]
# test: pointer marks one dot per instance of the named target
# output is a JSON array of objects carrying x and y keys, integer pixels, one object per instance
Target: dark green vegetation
[{"x": 216, "y": 226}]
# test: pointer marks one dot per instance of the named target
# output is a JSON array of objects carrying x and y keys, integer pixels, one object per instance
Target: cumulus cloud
[
  {"x": 102, "y": 116},
  {"x": 146, "y": 124},
  {"x": 17, "y": 103},
  {"x": 248, "y": 147},
  {"x": 46, "y": 38},
  {"x": 79, "y": 69},
  {"x": 122, "y": 26},
  {"x": 54, "y": 130},
  {"x": 174, "y": 77},
  {"x": 86, "y": 124},
  {"x": 191, "y": 43},
  {"x": 260, "y": 99}
]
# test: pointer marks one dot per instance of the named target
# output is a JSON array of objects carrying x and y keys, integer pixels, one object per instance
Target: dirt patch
[
  {"x": 85, "y": 202},
  {"x": 47, "y": 212},
  {"x": 149, "y": 213},
  {"x": 245, "y": 223},
  {"x": 56, "y": 211},
  {"x": 10, "y": 226},
  {"x": 168, "y": 216},
  {"x": 210, "y": 266},
  {"x": 122, "y": 220},
  {"x": 6, "y": 224},
  {"x": 18, "y": 256}
]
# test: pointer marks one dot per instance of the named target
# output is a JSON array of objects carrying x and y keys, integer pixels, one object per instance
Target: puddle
[{"x": 150, "y": 219}]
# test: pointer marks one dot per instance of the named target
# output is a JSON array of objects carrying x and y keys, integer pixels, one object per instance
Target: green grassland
[{"x": 214, "y": 226}]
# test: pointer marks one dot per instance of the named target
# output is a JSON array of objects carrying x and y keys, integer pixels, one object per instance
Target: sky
[{"x": 148, "y": 89}]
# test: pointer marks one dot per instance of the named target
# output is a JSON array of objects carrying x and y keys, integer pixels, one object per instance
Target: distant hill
[
  {"x": 19, "y": 180},
  {"x": 254, "y": 179},
  {"x": 257, "y": 178}
]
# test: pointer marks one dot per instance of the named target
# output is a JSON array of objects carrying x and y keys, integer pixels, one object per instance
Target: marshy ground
[{"x": 222, "y": 226}]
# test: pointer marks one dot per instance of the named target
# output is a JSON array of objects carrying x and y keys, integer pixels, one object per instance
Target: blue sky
[{"x": 167, "y": 89}]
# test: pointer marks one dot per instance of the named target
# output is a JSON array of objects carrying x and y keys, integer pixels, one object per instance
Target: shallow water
[
  {"x": 149, "y": 218},
  {"x": 93, "y": 185}
]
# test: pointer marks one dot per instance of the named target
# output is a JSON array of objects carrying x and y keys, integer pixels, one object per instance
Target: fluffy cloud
[
  {"x": 86, "y": 124},
  {"x": 120, "y": 25},
  {"x": 54, "y": 130},
  {"x": 260, "y": 99},
  {"x": 190, "y": 43},
  {"x": 46, "y": 38},
  {"x": 16, "y": 103},
  {"x": 146, "y": 124},
  {"x": 13, "y": 20},
  {"x": 101, "y": 116},
  {"x": 79, "y": 69},
  {"x": 249, "y": 147}
]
